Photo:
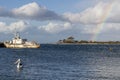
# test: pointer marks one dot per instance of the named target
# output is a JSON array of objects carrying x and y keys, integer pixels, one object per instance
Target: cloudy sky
[{"x": 48, "y": 21}]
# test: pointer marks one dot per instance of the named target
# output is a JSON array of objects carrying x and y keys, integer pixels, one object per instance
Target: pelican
[{"x": 19, "y": 64}]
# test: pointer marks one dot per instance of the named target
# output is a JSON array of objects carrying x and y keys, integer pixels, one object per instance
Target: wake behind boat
[{"x": 18, "y": 42}]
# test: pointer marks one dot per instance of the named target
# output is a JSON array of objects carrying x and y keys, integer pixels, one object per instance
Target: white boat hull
[
  {"x": 7, "y": 45},
  {"x": 18, "y": 42}
]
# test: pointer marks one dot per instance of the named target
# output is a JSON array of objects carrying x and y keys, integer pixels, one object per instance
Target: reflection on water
[{"x": 62, "y": 62}]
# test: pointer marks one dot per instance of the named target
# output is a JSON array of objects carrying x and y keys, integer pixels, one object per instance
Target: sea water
[{"x": 62, "y": 62}]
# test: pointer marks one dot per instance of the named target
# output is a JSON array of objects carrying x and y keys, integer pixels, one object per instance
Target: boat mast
[{"x": 15, "y": 36}]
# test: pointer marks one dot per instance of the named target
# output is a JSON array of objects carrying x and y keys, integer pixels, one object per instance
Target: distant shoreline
[
  {"x": 89, "y": 43},
  {"x": 83, "y": 43},
  {"x": 71, "y": 40}
]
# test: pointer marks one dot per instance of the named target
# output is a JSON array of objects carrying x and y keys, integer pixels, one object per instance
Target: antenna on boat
[
  {"x": 15, "y": 31},
  {"x": 16, "y": 34}
]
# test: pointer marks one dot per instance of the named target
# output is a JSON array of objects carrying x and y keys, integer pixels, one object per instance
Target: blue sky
[
  {"x": 56, "y": 5},
  {"x": 48, "y": 21}
]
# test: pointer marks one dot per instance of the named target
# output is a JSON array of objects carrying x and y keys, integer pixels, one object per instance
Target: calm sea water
[{"x": 62, "y": 62}]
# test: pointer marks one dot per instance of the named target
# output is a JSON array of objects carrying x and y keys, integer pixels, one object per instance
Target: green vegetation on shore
[{"x": 71, "y": 40}]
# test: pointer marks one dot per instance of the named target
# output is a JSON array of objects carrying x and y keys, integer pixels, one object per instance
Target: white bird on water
[{"x": 19, "y": 64}]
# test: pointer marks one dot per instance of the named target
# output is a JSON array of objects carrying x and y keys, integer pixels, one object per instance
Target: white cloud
[
  {"x": 56, "y": 27},
  {"x": 92, "y": 15},
  {"x": 111, "y": 27},
  {"x": 108, "y": 11},
  {"x": 35, "y": 12},
  {"x": 19, "y": 26},
  {"x": 32, "y": 11},
  {"x": 104, "y": 17},
  {"x": 100, "y": 28},
  {"x": 85, "y": 22}
]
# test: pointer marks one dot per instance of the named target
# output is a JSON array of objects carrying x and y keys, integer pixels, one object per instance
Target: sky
[{"x": 47, "y": 21}]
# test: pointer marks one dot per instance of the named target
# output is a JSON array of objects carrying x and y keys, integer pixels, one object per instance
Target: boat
[{"x": 18, "y": 42}]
